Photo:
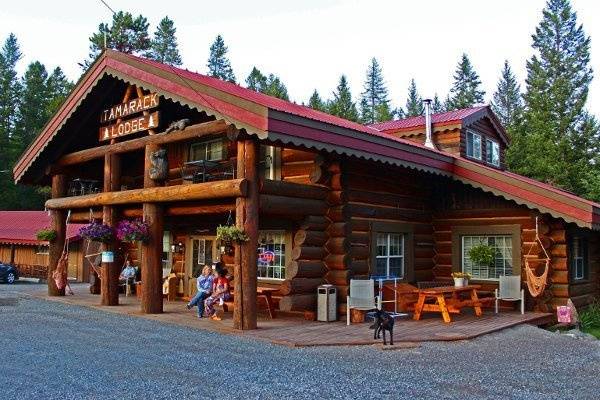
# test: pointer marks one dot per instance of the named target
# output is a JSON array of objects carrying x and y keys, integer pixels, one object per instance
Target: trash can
[{"x": 326, "y": 303}]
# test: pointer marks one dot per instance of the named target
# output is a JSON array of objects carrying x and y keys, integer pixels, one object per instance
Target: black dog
[{"x": 383, "y": 322}]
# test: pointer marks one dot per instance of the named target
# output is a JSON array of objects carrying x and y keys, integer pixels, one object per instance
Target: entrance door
[{"x": 201, "y": 251}]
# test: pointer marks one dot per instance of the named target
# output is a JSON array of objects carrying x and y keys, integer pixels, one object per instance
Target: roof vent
[{"x": 428, "y": 137}]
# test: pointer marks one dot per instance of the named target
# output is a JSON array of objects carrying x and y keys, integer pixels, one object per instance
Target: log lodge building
[{"x": 322, "y": 199}]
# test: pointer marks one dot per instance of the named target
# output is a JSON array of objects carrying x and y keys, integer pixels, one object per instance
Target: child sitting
[{"x": 220, "y": 292}]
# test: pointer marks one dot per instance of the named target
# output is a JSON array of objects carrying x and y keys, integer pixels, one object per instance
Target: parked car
[{"x": 8, "y": 273}]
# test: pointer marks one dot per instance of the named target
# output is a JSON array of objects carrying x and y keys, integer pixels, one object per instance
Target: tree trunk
[{"x": 58, "y": 221}]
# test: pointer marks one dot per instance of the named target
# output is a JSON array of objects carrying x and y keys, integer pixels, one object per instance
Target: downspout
[{"x": 428, "y": 134}]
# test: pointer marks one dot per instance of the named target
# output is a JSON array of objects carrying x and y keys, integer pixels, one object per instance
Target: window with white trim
[
  {"x": 271, "y": 254},
  {"x": 503, "y": 260},
  {"x": 492, "y": 152},
  {"x": 390, "y": 255},
  {"x": 473, "y": 145},
  {"x": 579, "y": 258},
  {"x": 213, "y": 150}
]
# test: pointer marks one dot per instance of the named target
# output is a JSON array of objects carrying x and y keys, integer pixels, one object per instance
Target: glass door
[{"x": 202, "y": 251}]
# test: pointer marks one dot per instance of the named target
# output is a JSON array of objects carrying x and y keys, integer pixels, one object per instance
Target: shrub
[
  {"x": 482, "y": 254},
  {"x": 46, "y": 234},
  {"x": 590, "y": 316}
]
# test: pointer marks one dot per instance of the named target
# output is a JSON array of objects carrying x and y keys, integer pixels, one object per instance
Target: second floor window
[
  {"x": 473, "y": 145},
  {"x": 209, "y": 151},
  {"x": 492, "y": 152}
]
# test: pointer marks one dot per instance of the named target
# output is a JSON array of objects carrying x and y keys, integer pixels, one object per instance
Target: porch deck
[{"x": 296, "y": 332}]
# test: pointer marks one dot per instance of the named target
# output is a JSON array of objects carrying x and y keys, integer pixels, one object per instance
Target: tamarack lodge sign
[{"x": 132, "y": 125}]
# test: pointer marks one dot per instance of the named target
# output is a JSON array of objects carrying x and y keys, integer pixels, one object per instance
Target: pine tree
[
  {"x": 274, "y": 87},
  {"x": 557, "y": 141},
  {"x": 126, "y": 34},
  {"x": 218, "y": 63},
  {"x": 466, "y": 90},
  {"x": 507, "y": 102},
  {"x": 315, "y": 102},
  {"x": 414, "y": 102},
  {"x": 164, "y": 45},
  {"x": 342, "y": 104},
  {"x": 10, "y": 89},
  {"x": 256, "y": 80},
  {"x": 374, "y": 103},
  {"x": 436, "y": 105},
  {"x": 59, "y": 88}
]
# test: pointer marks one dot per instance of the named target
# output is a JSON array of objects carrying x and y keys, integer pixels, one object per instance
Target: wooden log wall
[
  {"x": 585, "y": 291},
  {"x": 296, "y": 165}
]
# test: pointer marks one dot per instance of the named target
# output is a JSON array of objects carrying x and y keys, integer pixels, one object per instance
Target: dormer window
[
  {"x": 473, "y": 145},
  {"x": 492, "y": 152}
]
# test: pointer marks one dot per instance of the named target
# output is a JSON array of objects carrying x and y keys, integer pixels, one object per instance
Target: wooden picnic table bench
[
  {"x": 447, "y": 300},
  {"x": 261, "y": 291}
]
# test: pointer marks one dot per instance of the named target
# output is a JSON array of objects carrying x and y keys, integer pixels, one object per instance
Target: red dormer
[{"x": 474, "y": 133}]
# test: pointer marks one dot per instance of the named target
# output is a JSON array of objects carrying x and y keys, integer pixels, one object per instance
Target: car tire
[{"x": 10, "y": 278}]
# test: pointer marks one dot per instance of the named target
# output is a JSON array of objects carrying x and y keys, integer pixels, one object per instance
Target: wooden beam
[
  {"x": 58, "y": 218},
  {"x": 196, "y": 191},
  {"x": 190, "y": 132},
  {"x": 109, "y": 282},
  {"x": 290, "y": 189},
  {"x": 177, "y": 209},
  {"x": 246, "y": 216}
]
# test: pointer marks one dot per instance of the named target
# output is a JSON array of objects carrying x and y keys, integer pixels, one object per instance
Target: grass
[
  {"x": 593, "y": 331},
  {"x": 590, "y": 319}
]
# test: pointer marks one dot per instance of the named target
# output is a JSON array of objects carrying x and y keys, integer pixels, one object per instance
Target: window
[
  {"x": 271, "y": 254},
  {"x": 166, "y": 252},
  {"x": 492, "y": 152},
  {"x": 503, "y": 262},
  {"x": 390, "y": 255},
  {"x": 579, "y": 258},
  {"x": 473, "y": 145},
  {"x": 271, "y": 162},
  {"x": 42, "y": 250},
  {"x": 209, "y": 151}
]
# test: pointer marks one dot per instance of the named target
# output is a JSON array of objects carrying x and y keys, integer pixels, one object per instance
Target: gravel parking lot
[{"x": 50, "y": 350}]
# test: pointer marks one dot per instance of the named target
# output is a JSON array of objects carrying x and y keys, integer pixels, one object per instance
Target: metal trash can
[{"x": 326, "y": 303}]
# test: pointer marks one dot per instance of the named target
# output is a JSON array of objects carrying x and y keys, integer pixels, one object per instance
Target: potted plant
[
  {"x": 97, "y": 232},
  {"x": 133, "y": 231},
  {"x": 461, "y": 278},
  {"x": 482, "y": 254},
  {"x": 228, "y": 235},
  {"x": 46, "y": 234}
]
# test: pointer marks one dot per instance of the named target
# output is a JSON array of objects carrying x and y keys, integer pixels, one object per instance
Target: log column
[
  {"x": 58, "y": 221},
  {"x": 109, "y": 282},
  {"x": 246, "y": 218},
  {"x": 152, "y": 302}
]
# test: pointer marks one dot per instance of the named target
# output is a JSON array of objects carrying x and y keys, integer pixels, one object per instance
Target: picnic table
[{"x": 447, "y": 300}]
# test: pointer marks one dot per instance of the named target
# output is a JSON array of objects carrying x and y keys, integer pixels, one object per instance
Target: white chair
[
  {"x": 362, "y": 296},
  {"x": 510, "y": 290}
]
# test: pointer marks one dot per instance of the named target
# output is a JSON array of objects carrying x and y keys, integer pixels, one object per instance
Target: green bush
[
  {"x": 231, "y": 233},
  {"x": 482, "y": 254},
  {"x": 590, "y": 317}
]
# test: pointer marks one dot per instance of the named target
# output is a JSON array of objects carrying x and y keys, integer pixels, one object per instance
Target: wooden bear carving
[{"x": 159, "y": 166}]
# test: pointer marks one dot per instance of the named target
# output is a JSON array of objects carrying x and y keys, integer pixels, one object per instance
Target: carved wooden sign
[
  {"x": 131, "y": 107},
  {"x": 130, "y": 126}
]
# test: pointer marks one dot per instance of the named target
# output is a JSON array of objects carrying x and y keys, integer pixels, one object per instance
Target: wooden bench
[{"x": 264, "y": 292}]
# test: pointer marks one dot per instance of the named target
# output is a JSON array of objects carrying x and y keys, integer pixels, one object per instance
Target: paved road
[{"x": 55, "y": 351}]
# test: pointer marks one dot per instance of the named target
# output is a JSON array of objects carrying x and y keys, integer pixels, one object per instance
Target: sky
[{"x": 310, "y": 43}]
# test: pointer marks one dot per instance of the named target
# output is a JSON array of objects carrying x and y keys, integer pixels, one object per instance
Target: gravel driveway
[{"x": 50, "y": 350}]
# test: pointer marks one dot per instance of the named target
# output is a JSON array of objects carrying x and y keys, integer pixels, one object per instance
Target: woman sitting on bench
[
  {"x": 220, "y": 292},
  {"x": 204, "y": 283}
]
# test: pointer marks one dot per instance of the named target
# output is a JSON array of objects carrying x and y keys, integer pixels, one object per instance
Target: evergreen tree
[
  {"x": 126, "y": 34},
  {"x": 466, "y": 90},
  {"x": 274, "y": 87},
  {"x": 507, "y": 102},
  {"x": 315, "y": 102},
  {"x": 374, "y": 103},
  {"x": 59, "y": 88},
  {"x": 342, "y": 104},
  {"x": 256, "y": 80},
  {"x": 164, "y": 45},
  {"x": 436, "y": 105},
  {"x": 557, "y": 141},
  {"x": 218, "y": 63},
  {"x": 414, "y": 102},
  {"x": 10, "y": 89}
]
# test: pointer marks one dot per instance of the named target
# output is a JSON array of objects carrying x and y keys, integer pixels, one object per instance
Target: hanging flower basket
[
  {"x": 97, "y": 232},
  {"x": 231, "y": 233},
  {"x": 133, "y": 231},
  {"x": 46, "y": 235}
]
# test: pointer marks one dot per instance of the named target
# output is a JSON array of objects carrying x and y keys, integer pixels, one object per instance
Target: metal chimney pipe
[{"x": 428, "y": 135}]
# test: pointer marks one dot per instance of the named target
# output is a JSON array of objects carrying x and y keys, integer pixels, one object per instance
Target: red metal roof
[
  {"x": 20, "y": 227},
  {"x": 438, "y": 118}
]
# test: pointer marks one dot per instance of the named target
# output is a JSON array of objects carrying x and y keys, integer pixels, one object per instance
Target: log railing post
[
  {"x": 110, "y": 271},
  {"x": 246, "y": 216},
  {"x": 152, "y": 302},
  {"x": 58, "y": 221}
]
